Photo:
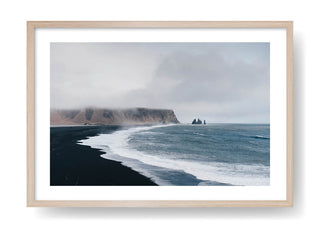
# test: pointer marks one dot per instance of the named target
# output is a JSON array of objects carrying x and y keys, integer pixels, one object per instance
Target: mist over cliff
[
  {"x": 98, "y": 116},
  {"x": 221, "y": 82}
]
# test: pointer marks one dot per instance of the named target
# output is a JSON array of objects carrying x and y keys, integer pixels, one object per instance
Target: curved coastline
[
  {"x": 115, "y": 147},
  {"x": 74, "y": 164},
  {"x": 117, "y": 142}
]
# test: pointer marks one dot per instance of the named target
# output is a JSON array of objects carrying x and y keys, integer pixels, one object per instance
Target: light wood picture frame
[{"x": 32, "y": 26}]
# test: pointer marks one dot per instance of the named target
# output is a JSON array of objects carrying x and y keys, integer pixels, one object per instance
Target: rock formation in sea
[
  {"x": 96, "y": 116},
  {"x": 195, "y": 121}
]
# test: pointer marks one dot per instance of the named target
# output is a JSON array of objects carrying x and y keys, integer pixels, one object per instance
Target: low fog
[{"x": 218, "y": 82}]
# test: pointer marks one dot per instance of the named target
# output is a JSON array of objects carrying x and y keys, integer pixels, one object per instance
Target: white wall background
[{"x": 14, "y": 15}]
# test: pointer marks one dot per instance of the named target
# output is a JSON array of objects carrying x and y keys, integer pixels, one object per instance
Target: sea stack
[{"x": 195, "y": 121}]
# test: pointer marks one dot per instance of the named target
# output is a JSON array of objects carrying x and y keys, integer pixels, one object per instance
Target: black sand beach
[{"x": 74, "y": 164}]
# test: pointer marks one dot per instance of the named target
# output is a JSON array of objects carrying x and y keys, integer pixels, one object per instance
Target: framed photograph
[{"x": 159, "y": 114}]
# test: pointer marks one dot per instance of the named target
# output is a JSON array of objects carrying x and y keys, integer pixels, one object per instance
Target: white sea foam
[{"x": 117, "y": 148}]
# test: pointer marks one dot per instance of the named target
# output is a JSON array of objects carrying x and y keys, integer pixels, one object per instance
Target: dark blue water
[{"x": 212, "y": 154}]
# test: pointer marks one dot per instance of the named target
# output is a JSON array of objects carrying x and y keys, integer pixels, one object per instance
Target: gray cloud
[{"x": 219, "y": 82}]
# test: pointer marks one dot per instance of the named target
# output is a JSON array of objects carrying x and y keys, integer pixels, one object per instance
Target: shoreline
[{"x": 73, "y": 164}]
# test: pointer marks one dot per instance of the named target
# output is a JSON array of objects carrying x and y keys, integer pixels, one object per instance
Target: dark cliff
[{"x": 95, "y": 116}]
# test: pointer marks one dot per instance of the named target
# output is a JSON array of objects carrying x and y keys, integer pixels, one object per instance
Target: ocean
[{"x": 191, "y": 155}]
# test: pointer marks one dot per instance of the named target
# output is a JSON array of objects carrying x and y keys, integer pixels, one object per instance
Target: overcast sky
[{"x": 219, "y": 82}]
